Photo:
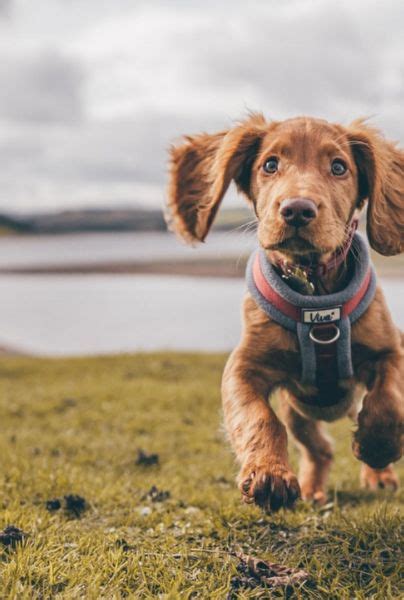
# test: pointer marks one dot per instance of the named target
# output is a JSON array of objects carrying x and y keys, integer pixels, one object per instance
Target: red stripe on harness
[
  {"x": 350, "y": 306},
  {"x": 285, "y": 307}
]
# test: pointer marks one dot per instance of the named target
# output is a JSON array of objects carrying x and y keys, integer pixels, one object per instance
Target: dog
[{"x": 307, "y": 180}]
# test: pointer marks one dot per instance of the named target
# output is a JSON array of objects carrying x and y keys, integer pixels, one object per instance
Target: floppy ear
[
  {"x": 381, "y": 180},
  {"x": 201, "y": 171}
]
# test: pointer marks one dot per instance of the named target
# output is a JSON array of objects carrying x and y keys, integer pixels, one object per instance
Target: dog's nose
[{"x": 298, "y": 212}]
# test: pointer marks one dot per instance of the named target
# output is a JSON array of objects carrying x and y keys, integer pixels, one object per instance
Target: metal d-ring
[{"x": 325, "y": 342}]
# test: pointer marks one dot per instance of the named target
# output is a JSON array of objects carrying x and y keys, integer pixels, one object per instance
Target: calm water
[
  {"x": 106, "y": 313},
  {"x": 84, "y": 314},
  {"x": 111, "y": 247}
]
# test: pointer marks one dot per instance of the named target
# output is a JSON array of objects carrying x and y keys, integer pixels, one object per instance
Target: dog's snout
[{"x": 298, "y": 212}]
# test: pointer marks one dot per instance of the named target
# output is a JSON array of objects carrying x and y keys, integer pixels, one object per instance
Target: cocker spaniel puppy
[{"x": 315, "y": 323}]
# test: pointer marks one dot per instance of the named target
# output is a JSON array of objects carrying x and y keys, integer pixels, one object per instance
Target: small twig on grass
[
  {"x": 254, "y": 571},
  {"x": 271, "y": 574},
  {"x": 125, "y": 546}
]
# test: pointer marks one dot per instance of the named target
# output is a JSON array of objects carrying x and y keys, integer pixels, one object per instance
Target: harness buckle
[{"x": 324, "y": 328}]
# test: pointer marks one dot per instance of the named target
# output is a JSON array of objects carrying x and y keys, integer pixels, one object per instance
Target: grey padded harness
[{"x": 308, "y": 315}]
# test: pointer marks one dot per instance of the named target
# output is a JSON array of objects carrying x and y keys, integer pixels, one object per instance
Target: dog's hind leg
[
  {"x": 316, "y": 452},
  {"x": 373, "y": 479}
]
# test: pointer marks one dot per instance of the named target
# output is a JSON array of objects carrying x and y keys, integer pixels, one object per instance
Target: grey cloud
[
  {"x": 5, "y": 8},
  {"x": 310, "y": 61},
  {"x": 49, "y": 166},
  {"x": 282, "y": 58},
  {"x": 126, "y": 149},
  {"x": 46, "y": 87}
]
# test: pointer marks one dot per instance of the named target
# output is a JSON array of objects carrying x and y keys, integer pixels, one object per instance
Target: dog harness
[{"x": 322, "y": 323}]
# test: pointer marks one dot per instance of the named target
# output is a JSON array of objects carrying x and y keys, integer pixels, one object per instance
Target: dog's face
[
  {"x": 305, "y": 187},
  {"x": 304, "y": 177}
]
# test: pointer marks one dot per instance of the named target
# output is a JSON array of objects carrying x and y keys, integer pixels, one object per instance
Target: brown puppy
[{"x": 332, "y": 171}]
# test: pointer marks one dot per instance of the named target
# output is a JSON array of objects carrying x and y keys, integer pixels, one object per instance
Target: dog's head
[{"x": 304, "y": 177}]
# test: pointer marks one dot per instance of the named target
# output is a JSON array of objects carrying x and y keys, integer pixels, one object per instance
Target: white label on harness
[{"x": 325, "y": 315}]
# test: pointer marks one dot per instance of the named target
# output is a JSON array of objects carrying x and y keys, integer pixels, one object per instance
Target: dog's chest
[
  {"x": 327, "y": 392},
  {"x": 286, "y": 361}
]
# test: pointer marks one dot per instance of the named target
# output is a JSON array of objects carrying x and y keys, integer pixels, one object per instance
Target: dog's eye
[
  {"x": 270, "y": 165},
  {"x": 338, "y": 167}
]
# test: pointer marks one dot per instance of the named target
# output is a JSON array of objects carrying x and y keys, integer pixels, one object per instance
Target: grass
[{"x": 74, "y": 426}]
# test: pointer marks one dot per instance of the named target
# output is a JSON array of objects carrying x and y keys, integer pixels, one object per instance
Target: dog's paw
[
  {"x": 376, "y": 451},
  {"x": 271, "y": 488},
  {"x": 373, "y": 479},
  {"x": 378, "y": 442}
]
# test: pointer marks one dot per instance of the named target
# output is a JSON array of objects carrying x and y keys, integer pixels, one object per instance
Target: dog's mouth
[{"x": 294, "y": 245}]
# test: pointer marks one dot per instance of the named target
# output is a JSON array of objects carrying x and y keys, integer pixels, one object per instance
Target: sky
[{"x": 92, "y": 92}]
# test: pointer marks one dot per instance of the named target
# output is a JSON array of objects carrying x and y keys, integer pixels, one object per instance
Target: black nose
[{"x": 298, "y": 212}]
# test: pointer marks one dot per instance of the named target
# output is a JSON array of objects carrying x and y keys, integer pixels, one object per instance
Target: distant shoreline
[
  {"x": 227, "y": 268},
  {"x": 210, "y": 267}
]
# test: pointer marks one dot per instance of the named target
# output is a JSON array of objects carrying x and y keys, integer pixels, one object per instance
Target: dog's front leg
[
  {"x": 258, "y": 438},
  {"x": 378, "y": 440}
]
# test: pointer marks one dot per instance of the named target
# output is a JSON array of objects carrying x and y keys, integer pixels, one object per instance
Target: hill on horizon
[{"x": 104, "y": 219}]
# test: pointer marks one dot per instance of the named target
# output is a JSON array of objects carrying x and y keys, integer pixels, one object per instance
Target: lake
[
  {"x": 75, "y": 249},
  {"x": 79, "y": 314},
  {"x": 86, "y": 314},
  {"x": 106, "y": 313}
]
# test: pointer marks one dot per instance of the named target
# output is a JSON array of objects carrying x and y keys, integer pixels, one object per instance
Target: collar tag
[{"x": 321, "y": 315}]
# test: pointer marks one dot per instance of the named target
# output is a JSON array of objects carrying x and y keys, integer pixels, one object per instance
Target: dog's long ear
[
  {"x": 201, "y": 171},
  {"x": 381, "y": 180}
]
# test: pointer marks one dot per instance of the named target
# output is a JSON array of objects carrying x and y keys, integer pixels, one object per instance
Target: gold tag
[{"x": 299, "y": 277}]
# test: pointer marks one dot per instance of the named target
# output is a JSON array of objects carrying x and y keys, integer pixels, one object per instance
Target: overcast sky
[{"x": 93, "y": 91}]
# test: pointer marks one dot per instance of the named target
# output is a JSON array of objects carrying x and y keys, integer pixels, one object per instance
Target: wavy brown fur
[
  {"x": 201, "y": 170},
  {"x": 381, "y": 168},
  {"x": 267, "y": 356}
]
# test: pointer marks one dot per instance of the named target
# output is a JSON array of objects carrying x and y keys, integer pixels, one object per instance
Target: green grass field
[{"x": 75, "y": 426}]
